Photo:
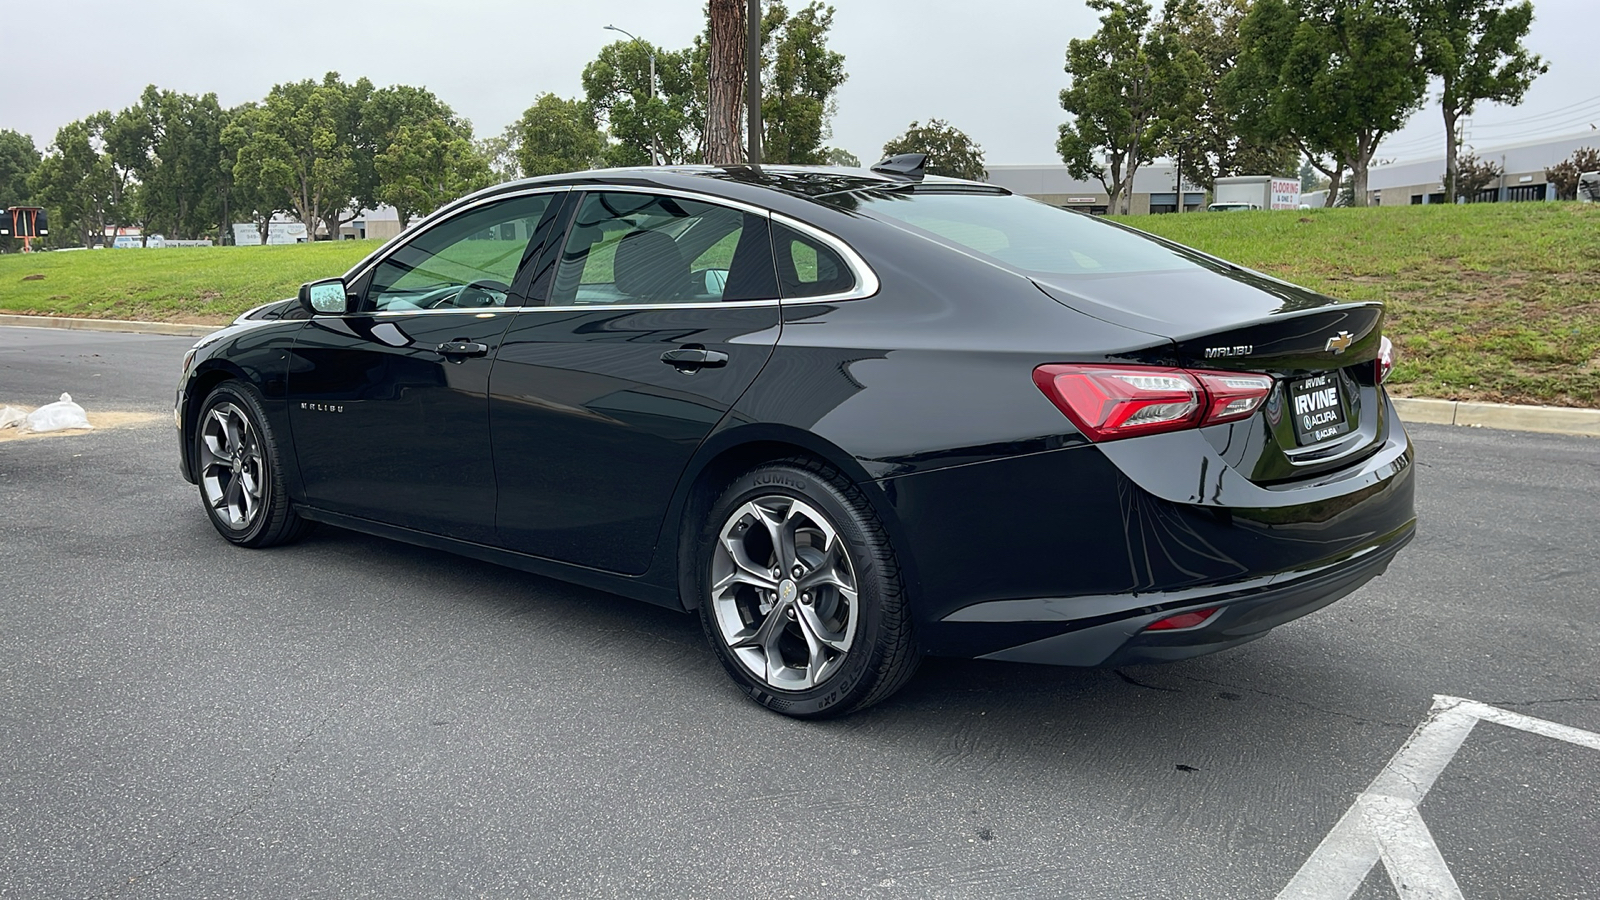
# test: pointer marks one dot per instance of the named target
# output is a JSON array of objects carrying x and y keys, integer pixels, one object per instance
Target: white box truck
[{"x": 1255, "y": 192}]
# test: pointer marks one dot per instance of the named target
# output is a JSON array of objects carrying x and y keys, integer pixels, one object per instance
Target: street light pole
[{"x": 655, "y": 140}]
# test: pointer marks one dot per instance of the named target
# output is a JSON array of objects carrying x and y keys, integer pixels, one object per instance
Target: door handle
[
  {"x": 462, "y": 348},
  {"x": 693, "y": 358}
]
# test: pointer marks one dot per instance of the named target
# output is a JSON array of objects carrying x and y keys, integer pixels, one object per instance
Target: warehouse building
[
  {"x": 1155, "y": 188},
  {"x": 1523, "y": 165}
]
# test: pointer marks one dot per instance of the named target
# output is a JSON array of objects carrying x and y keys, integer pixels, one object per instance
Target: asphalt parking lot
[{"x": 350, "y": 717}]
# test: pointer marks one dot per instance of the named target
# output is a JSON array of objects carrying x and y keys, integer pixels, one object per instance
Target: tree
[
  {"x": 1475, "y": 48},
  {"x": 300, "y": 146},
  {"x": 834, "y": 156},
  {"x": 1127, "y": 80},
  {"x": 1564, "y": 175},
  {"x": 18, "y": 160},
  {"x": 617, "y": 87},
  {"x": 800, "y": 78},
  {"x": 557, "y": 135},
  {"x": 501, "y": 150},
  {"x": 426, "y": 165},
  {"x": 725, "y": 81},
  {"x": 169, "y": 143},
  {"x": 251, "y": 196},
  {"x": 950, "y": 152},
  {"x": 75, "y": 182},
  {"x": 1334, "y": 76},
  {"x": 1473, "y": 176},
  {"x": 1203, "y": 132}
]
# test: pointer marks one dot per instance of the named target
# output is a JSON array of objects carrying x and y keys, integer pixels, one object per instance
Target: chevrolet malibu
[{"x": 847, "y": 417}]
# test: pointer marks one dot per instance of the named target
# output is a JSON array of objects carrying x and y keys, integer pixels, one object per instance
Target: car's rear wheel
[
  {"x": 240, "y": 471},
  {"x": 800, "y": 593}
]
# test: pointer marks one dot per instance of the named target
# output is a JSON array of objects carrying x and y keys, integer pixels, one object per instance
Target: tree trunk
[
  {"x": 724, "y": 93},
  {"x": 1451, "y": 176}
]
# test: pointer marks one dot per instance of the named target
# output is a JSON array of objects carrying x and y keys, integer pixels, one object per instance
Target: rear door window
[{"x": 628, "y": 248}]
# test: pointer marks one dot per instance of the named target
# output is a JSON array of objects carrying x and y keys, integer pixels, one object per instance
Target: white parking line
[{"x": 1384, "y": 823}]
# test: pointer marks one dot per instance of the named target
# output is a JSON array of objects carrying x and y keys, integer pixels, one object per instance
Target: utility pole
[{"x": 752, "y": 77}]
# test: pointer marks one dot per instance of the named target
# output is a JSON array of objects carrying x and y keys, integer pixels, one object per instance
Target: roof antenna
[{"x": 907, "y": 165}]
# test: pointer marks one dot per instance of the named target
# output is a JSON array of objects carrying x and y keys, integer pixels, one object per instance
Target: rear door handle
[
  {"x": 462, "y": 348},
  {"x": 691, "y": 358}
]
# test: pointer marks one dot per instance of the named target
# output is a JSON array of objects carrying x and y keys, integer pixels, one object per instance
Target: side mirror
[{"x": 325, "y": 297}]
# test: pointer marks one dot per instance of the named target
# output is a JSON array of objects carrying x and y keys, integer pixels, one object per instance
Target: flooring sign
[{"x": 1384, "y": 823}]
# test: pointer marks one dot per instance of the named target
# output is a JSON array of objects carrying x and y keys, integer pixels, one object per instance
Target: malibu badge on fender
[{"x": 1318, "y": 409}]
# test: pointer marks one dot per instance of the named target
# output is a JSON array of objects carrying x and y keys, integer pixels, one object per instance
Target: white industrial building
[
  {"x": 1523, "y": 165},
  {"x": 1155, "y": 188}
]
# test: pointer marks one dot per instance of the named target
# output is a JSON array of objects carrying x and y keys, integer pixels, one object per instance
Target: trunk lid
[{"x": 1326, "y": 407}]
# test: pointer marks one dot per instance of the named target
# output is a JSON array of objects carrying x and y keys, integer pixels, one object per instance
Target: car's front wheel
[
  {"x": 800, "y": 593},
  {"x": 240, "y": 471}
]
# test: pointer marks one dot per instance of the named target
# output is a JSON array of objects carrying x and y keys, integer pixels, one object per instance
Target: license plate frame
[{"x": 1318, "y": 405}]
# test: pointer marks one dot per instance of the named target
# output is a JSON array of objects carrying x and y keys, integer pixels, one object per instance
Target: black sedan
[{"x": 849, "y": 417}]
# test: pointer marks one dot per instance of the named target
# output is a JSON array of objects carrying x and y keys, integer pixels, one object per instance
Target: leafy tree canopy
[
  {"x": 1474, "y": 47},
  {"x": 1129, "y": 81},
  {"x": 950, "y": 152},
  {"x": 617, "y": 87},
  {"x": 558, "y": 135}
]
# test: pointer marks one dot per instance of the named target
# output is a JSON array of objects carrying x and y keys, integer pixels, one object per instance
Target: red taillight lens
[
  {"x": 1108, "y": 402},
  {"x": 1182, "y": 621},
  {"x": 1385, "y": 360}
]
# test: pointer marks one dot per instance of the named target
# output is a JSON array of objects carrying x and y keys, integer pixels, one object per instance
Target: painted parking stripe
[{"x": 1384, "y": 824}]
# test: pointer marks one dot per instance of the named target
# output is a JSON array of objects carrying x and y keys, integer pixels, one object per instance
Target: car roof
[{"x": 805, "y": 182}]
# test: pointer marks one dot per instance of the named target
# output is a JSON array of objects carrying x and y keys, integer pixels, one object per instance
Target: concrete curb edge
[
  {"x": 172, "y": 328},
  {"x": 1547, "y": 419}
]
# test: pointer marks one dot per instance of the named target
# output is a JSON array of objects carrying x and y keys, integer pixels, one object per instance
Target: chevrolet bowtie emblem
[{"x": 1340, "y": 342}]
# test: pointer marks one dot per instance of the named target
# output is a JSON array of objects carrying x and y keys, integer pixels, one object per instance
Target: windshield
[{"x": 1031, "y": 237}]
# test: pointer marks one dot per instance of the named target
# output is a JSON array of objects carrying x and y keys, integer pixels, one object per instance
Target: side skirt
[{"x": 591, "y": 578}]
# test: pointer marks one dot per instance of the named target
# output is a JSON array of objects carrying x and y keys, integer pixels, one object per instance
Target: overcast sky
[{"x": 992, "y": 69}]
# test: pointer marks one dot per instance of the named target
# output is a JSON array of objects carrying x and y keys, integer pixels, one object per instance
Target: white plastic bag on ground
[
  {"x": 58, "y": 416},
  {"x": 11, "y": 416}
]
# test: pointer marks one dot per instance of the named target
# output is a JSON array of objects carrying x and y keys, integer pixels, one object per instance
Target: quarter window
[
  {"x": 807, "y": 267},
  {"x": 628, "y": 248},
  {"x": 469, "y": 261}
]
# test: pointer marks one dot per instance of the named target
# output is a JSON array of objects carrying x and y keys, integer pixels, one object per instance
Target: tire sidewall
[
  {"x": 243, "y": 398},
  {"x": 854, "y": 680}
]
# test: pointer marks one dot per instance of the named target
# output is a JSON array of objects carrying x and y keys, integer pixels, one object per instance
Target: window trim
[{"x": 866, "y": 280}]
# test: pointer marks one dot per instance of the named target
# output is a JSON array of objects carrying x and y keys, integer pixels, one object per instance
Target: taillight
[
  {"x": 1108, "y": 402},
  {"x": 1385, "y": 360}
]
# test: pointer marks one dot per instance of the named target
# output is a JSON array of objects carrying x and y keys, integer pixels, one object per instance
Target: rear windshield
[{"x": 1031, "y": 237}]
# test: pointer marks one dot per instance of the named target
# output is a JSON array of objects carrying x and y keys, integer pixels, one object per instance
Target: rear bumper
[{"x": 1248, "y": 610}]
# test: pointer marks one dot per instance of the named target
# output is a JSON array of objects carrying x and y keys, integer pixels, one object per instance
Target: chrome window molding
[{"x": 866, "y": 280}]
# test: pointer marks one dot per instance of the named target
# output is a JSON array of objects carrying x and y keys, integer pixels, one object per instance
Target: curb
[
  {"x": 1545, "y": 419},
  {"x": 172, "y": 328}
]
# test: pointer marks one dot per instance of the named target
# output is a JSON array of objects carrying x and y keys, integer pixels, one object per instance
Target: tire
[
  {"x": 239, "y": 471},
  {"x": 833, "y": 640}
]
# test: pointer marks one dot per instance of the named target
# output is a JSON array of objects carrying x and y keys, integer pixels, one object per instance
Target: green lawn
[
  {"x": 181, "y": 284},
  {"x": 1495, "y": 302},
  {"x": 1490, "y": 302}
]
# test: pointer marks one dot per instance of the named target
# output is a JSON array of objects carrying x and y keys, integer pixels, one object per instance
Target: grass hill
[
  {"x": 1486, "y": 302},
  {"x": 1496, "y": 302}
]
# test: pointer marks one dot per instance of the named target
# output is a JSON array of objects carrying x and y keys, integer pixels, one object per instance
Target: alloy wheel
[
  {"x": 232, "y": 466},
  {"x": 783, "y": 592}
]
